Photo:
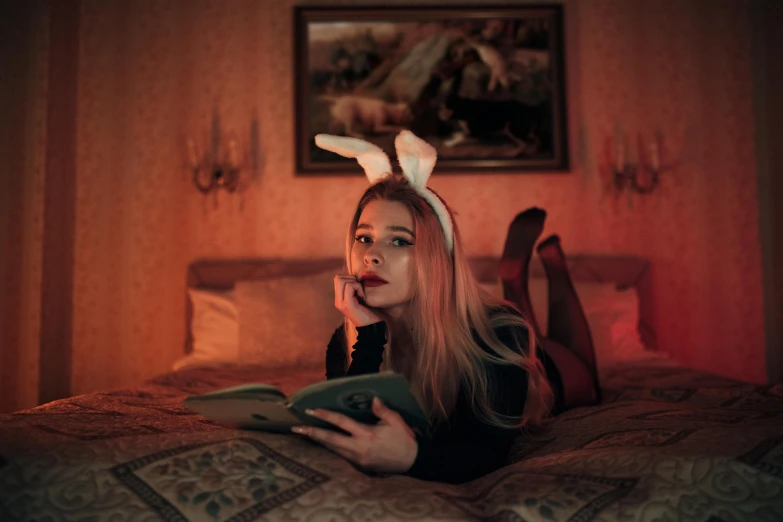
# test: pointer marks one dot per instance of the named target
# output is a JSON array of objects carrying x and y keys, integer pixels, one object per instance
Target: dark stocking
[
  {"x": 514, "y": 265},
  {"x": 568, "y": 325}
]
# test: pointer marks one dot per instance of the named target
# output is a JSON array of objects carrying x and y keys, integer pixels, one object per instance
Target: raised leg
[
  {"x": 567, "y": 322},
  {"x": 515, "y": 261}
]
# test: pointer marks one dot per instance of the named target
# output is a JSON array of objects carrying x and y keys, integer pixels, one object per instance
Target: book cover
[{"x": 265, "y": 407}]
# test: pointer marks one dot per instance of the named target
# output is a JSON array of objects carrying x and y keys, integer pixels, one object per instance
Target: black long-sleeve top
[{"x": 464, "y": 448}]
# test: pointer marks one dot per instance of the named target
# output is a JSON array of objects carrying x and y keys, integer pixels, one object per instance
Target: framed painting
[{"x": 485, "y": 86}]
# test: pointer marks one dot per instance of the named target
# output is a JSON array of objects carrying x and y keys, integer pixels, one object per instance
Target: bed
[{"x": 667, "y": 443}]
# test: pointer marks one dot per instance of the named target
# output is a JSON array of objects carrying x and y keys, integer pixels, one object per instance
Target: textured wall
[{"x": 150, "y": 71}]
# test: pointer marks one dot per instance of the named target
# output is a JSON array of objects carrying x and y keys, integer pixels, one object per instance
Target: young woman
[{"x": 412, "y": 305}]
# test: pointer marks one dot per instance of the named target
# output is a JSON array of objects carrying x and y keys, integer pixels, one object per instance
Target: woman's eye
[{"x": 396, "y": 241}]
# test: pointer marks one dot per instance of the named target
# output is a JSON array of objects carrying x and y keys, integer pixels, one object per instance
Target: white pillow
[
  {"x": 214, "y": 328},
  {"x": 612, "y": 314},
  {"x": 287, "y": 321}
]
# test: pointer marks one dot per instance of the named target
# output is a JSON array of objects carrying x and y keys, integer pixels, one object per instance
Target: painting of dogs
[
  {"x": 485, "y": 87},
  {"x": 521, "y": 123},
  {"x": 357, "y": 116}
]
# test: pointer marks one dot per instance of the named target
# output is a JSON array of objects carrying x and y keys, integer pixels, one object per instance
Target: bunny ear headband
[{"x": 417, "y": 159}]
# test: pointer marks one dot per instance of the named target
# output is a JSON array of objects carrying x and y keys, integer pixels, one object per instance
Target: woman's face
[{"x": 383, "y": 245}]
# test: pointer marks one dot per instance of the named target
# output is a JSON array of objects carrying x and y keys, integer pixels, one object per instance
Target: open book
[{"x": 265, "y": 407}]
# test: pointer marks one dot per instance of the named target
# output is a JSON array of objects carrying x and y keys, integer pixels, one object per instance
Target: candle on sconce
[
  {"x": 215, "y": 163},
  {"x": 192, "y": 154},
  {"x": 620, "y": 157},
  {"x": 233, "y": 153},
  {"x": 654, "y": 159}
]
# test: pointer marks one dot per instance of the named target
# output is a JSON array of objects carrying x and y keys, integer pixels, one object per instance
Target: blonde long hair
[{"x": 446, "y": 312}]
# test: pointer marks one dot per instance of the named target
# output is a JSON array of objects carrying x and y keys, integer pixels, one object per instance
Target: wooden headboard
[{"x": 624, "y": 271}]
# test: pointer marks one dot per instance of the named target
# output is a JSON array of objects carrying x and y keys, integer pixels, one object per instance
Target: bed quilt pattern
[{"x": 667, "y": 444}]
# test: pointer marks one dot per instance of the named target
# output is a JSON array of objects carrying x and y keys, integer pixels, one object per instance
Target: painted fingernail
[
  {"x": 310, "y": 412},
  {"x": 298, "y": 429}
]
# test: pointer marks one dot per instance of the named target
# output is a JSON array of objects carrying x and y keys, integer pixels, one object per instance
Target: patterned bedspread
[{"x": 667, "y": 444}]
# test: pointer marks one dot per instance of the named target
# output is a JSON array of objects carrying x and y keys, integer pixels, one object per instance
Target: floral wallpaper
[{"x": 152, "y": 71}]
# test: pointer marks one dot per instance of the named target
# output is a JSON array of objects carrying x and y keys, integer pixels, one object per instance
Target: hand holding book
[{"x": 389, "y": 446}]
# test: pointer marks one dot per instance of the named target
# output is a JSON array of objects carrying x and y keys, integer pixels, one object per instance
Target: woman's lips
[{"x": 373, "y": 282}]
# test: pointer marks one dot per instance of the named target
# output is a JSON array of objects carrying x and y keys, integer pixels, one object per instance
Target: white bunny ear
[
  {"x": 373, "y": 160},
  {"x": 417, "y": 158}
]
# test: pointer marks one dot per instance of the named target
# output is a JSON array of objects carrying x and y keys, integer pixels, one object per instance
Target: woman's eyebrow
[{"x": 393, "y": 228}]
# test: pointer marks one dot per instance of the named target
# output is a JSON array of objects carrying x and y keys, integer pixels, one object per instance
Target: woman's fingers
[
  {"x": 341, "y": 421},
  {"x": 390, "y": 416},
  {"x": 344, "y": 288},
  {"x": 387, "y": 446},
  {"x": 329, "y": 438},
  {"x": 352, "y": 292},
  {"x": 339, "y": 290},
  {"x": 344, "y": 453},
  {"x": 347, "y": 293},
  {"x": 349, "y": 299},
  {"x": 384, "y": 413}
]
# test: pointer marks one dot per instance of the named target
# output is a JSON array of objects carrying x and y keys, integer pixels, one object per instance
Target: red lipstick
[{"x": 371, "y": 280}]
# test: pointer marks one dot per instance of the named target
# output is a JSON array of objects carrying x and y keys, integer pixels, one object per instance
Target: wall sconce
[
  {"x": 643, "y": 176},
  {"x": 221, "y": 167}
]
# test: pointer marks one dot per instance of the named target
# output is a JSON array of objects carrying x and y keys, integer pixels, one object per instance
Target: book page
[{"x": 247, "y": 413}]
